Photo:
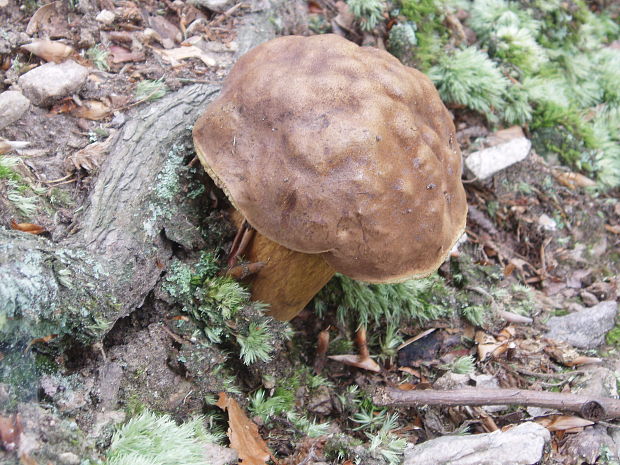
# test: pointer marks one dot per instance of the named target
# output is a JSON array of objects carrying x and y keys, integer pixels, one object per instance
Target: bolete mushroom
[{"x": 342, "y": 159}]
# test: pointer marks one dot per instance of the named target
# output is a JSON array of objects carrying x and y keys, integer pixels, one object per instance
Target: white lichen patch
[{"x": 167, "y": 186}]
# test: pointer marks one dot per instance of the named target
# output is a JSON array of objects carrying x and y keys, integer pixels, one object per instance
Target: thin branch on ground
[{"x": 590, "y": 408}]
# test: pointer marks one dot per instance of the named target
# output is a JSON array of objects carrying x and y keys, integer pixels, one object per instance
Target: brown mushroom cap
[{"x": 330, "y": 148}]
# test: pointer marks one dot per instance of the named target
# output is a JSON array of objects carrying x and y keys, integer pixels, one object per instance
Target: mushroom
[{"x": 341, "y": 158}]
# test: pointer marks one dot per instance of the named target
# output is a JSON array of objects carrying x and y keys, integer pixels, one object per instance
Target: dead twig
[
  {"x": 590, "y": 408},
  {"x": 321, "y": 350},
  {"x": 563, "y": 374},
  {"x": 514, "y": 317},
  {"x": 228, "y": 13}
]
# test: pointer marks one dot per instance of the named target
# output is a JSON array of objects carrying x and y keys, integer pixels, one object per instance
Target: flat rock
[
  {"x": 598, "y": 382},
  {"x": 69, "y": 458},
  {"x": 589, "y": 444},
  {"x": 106, "y": 17},
  {"x": 320, "y": 403},
  {"x": 215, "y": 454},
  {"x": 111, "y": 377},
  {"x": 585, "y": 329},
  {"x": 510, "y": 146},
  {"x": 51, "y": 81},
  {"x": 13, "y": 105},
  {"x": 521, "y": 445}
]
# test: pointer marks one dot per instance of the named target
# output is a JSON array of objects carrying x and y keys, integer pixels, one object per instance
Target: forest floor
[{"x": 542, "y": 242}]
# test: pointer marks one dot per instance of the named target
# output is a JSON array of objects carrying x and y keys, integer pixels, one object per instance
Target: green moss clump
[
  {"x": 18, "y": 188},
  {"x": 360, "y": 304},
  {"x": 468, "y": 77},
  {"x": 149, "y": 439},
  {"x": 402, "y": 41},
  {"x": 613, "y": 337},
  {"x": 367, "y": 12},
  {"x": 545, "y": 63},
  {"x": 223, "y": 308},
  {"x": 427, "y": 17}
]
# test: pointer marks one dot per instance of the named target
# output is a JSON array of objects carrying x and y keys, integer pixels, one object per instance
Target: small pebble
[{"x": 106, "y": 17}]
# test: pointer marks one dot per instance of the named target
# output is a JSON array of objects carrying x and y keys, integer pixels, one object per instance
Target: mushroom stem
[{"x": 289, "y": 280}]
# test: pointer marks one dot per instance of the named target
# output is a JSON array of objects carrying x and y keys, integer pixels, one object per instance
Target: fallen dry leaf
[
  {"x": 92, "y": 109},
  {"x": 8, "y": 145},
  {"x": 121, "y": 55},
  {"x": 44, "y": 339},
  {"x": 505, "y": 135},
  {"x": 488, "y": 346},
  {"x": 166, "y": 30},
  {"x": 314, "y": 7},
  {"x": 322, "y": 345},
  {"x": 243, "y": 433},
  {"x": 244, "y": 270},
  {"x": 357, "y": 361},
  {"x": 614, "y": 229},
  {"x": 566, "y": 354},
  {"x": 66, "y": 105},
  {"x": 91, "y": 156},
  {"x": 25, "y": 459},
  {"x": 176, "y": 54},
  {"x": 412, "y": 371},
  {"x": 415, "y": 338},
  {"x": 573, "y": 180},
  {"x": 27, "y": 227},
  {"x": 41, "y": 16},
  {"x": 583, "y": 360},
  {"x": 563, "y": 422},
  {"x": 49, "y": 50},
  {"x": 506, "y": 334}
]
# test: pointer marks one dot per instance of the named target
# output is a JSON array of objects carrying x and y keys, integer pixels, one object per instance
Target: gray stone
[
  {"x": 13, "y": 105},
  {"x": 215, "y": 454},
  {"x": 110, "y": 383},
  {"x": 547, "y": 223},
  {"x": 585, "y": 329},
  {"x": 51, "y": 81},
  {"x": 321, "y": 403},
  {"x": 510, "y": 146},
  {"x": 598, "y": 382},
  {"x": 106, "y": 17},
  {"x": 521, "y": 445},
  {"x": 69, "y": 458},
  {"x": 587, "y": 445},
  {"x": 614, "y": 433},
  {"x": 588, "y": 298},
  {"x": 106, "y": 421}
]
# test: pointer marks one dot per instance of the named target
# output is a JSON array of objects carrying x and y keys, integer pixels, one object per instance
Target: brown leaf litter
[{"x": 243, "y": 433}]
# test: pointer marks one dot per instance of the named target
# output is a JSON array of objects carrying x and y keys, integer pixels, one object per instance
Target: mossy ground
[{"x": 197, "y": 333}]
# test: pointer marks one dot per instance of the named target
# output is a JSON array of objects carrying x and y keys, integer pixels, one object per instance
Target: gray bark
[{"x": 122, "y": 243}]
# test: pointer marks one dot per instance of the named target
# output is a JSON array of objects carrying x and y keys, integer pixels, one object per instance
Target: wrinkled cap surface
[{"x": 334, "y": 149}]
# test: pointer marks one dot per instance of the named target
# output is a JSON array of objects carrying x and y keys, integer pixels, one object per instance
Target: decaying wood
[{"x": 591, "y": 408}]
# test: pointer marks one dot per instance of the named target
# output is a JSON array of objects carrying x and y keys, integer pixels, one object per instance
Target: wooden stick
[{"x": 591, "y": 408}]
